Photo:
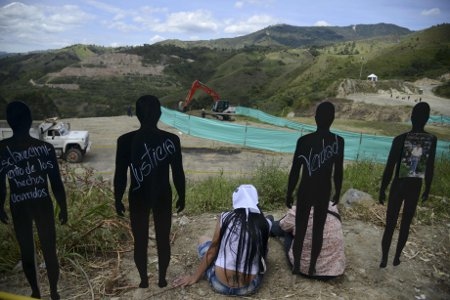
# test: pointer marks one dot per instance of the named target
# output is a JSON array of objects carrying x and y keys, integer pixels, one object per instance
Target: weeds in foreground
[
  {"x": 214, "y": 194},
  {"x": 94, "y": 230},
  {"x": 366, "y": 176},
  {"x": 93, "y": 227}
]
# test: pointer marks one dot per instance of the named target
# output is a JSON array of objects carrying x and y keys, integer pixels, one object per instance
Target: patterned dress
[{"x": 331, "y": 261}]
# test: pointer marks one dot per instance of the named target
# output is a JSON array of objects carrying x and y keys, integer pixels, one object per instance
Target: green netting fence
[
  {"x": 357, "y": 146},
  {"x": 443, "y": 120}
]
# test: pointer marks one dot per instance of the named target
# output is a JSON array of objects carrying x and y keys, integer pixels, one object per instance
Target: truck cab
[{"x": 68, "y": 144}]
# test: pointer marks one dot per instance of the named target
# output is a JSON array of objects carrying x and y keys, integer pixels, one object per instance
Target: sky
[{"x": 29, "y": 25}]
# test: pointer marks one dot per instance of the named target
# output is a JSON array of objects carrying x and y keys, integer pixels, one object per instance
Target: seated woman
[
  {"x": 331, "y": 261},
  {"x": 234, "y": 260}
]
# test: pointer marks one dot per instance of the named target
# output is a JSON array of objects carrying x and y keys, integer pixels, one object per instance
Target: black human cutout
[
  {"x": 149, "y": 153},
  {"x": 320, "y": 155},
  {"x": 412, "y": 155},
  {"x": 29, "y": 163}
]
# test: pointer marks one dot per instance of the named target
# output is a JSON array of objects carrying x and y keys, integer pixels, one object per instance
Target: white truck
[{"x": 69, "y": 145}]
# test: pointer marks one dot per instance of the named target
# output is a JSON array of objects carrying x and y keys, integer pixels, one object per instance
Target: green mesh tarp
[
  {"x": 444, "y": 120},
  {"x": 357, "y": 146}
]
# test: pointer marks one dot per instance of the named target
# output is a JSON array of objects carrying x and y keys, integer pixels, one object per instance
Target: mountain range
[
  {"x": 279, "y": 69},
  {"x": 283, "y": 35}
]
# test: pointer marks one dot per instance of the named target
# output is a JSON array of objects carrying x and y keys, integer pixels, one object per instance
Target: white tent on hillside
[{"x": 372, "y": 77}]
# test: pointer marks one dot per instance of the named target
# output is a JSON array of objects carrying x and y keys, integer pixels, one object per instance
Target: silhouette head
[
  {"x": 18, "y": 115},
  {"x": 420, "y": 114},
  {"x": 324, "y": 115},
  {"x": 148, "y": 110}
]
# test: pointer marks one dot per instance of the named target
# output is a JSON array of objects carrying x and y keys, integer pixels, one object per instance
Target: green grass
[
  {"x": 214, "y": 193},
  {"x": 92, "y": 231},
  {"x": 364, "y": 176},
  {"x": 95, "y": 232},
  {"x": 443, "y": 90}
]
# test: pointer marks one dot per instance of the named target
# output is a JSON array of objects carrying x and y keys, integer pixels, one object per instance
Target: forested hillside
[{"x": 279, "y": 69}]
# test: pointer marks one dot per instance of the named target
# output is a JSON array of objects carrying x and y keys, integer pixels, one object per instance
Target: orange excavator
[{"x": 220, "y": 108}]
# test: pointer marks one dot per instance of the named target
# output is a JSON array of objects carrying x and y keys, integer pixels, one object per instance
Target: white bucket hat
[{"x": 246, "y": 196}]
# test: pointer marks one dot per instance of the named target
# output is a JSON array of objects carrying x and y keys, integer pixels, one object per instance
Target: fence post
[
  {"x": 359, "y": 146},
  {"x": 189, "y": 124},
  {"x": 245, "y": 134}
]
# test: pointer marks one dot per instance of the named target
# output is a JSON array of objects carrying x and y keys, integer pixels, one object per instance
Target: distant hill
[
  {"x": 297, "y": 36},
  {"x": 279, "y": 69}
]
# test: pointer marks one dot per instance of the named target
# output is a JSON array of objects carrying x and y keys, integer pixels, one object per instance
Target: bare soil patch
[
  {"x": 423, "y": 273},
  {"x": 407, "y": 98}
]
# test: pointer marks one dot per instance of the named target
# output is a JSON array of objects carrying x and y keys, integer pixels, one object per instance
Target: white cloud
[
  {"x": 241, "y": 3},
  {"x": 431, "y": 12},
  {"x": 122, "y": 26},
  {"x": 104, "y": 7},
  {"x": 322, "y": 23},
  {"x": 188, "y": 22},
  {"x": 18, "y": 18},
  {"x": 253, "y": 24},
  {"x": 156, "y": 38},
  {"x": 28, "y": 27}
]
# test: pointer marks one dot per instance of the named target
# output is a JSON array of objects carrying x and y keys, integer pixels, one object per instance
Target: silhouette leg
[
  {"x": 409, "y": 210},
  {"x": 392, "y": 212},
  {"x": 23, "y": 228},
  {"x": 139, "y": 217},
  {"x": 45, "y": 224},
  {"x": 163, "y": 221},
  {"x": 319, "y": 219},
  {"x": 301, "y": 224}
]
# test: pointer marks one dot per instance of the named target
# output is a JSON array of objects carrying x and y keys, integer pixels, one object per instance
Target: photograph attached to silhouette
[{"x": 416, "y": 150}]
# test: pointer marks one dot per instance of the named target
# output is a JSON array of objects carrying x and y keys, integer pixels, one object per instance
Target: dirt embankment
[{"x": 391, "y": 94}]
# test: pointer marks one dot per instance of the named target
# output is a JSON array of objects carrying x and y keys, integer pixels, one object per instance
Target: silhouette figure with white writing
[
  {"x": 29, "y": 164},
  {"x": 149, "y": 154},
  {"x": 409, "y": 165},
  {"x": 320, "y": 155}
]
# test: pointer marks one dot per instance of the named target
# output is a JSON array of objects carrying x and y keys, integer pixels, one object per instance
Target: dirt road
[
  {"x": 439, "y": 106},
  {"x": 201, "y": 157}
]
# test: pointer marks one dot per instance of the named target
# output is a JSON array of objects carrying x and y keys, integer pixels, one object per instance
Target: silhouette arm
[
  {"x": 3, "y": 215},
  {"x": 57, "y": 185},
  {"x": 120, "y": 174},
  {"x": 179, "y": 179},
  {"x": 392, "y": 161},
  {"x": 338, "y": 172},
  {"x": 429, "y": 173},
  {"x": 294, "y": 175}
]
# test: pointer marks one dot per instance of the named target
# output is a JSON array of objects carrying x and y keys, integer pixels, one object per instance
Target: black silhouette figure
[
  {"x": 321, "y": 155},
  {"x": 29, "y": 163},
  {"x": 406, "y": 185},
  {"x": 149, "y": 153}
]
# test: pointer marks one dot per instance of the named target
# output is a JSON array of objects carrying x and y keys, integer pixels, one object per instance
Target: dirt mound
[
  {"x": 110, "y": 64},
  {"x": 371, "y": 112}
]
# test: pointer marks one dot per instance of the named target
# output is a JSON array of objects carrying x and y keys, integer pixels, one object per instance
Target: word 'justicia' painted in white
[
  {"x": 150, "y": 160},
  {"x": 316, "y": 160},
  {"x": 34, "y": 194}
]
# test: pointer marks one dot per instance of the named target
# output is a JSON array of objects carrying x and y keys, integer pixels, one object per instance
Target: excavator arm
[{"x": 199, "y": 85}]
